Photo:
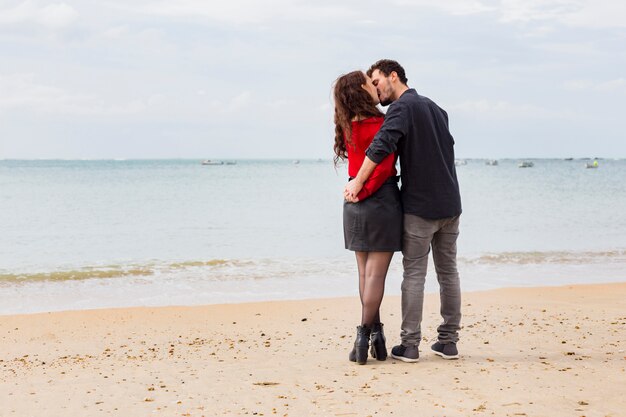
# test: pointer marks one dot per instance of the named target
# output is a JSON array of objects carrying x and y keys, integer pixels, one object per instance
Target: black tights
[{"x": 373, "y": 268}]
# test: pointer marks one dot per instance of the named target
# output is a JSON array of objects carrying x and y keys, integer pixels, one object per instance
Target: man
[{"x": 418, "y": 130}]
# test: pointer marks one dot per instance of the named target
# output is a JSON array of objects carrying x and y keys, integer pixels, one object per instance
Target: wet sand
[{"x": 552, "y": 351}]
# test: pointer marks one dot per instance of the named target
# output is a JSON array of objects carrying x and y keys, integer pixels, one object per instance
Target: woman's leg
[
  {"x": 361, "y": 262},
  {"x": 373, "y": 288}
]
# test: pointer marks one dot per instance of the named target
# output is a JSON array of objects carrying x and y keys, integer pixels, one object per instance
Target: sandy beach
[{"x": 553, "y": 351}]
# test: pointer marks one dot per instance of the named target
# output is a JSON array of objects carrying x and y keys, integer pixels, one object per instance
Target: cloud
[
  {"x": 116, "y": 32},
  {"x": 282, "y": 103},
  {"x": 577, "y": 13},
  {"x": 240, "y": 101},
  {"x": 325, "y": 108},
  {"x": 598, "y": 14},
  {"x": 616, "y": 85},
  {"x": 243, "y": 11},
  {"x": 535, "y": 10},
  {"x": 268, "y": 66},
  {"x": 52, "y": 16},
  {"x": 23, "y": 93},
  {"x": 453, "y": 7},
  {"x": 247, "y": 100},
  {"x": 612, "y": 85},
  {"x": 505, "y": 110}
]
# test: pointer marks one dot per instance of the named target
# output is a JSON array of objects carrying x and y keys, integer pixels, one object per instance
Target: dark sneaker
[
  {"x": 408, "y": 354},
  {"x": 447, "y": 351}
]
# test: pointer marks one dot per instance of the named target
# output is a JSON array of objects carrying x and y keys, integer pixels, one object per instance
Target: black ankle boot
[
  {"x": 352, "y": 355},
  {"x": 379, "y": 348},
  {"x": 361, "y": 344}
]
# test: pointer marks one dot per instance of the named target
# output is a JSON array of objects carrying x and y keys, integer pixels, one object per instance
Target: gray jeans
[{"x": 419, "y": 236}]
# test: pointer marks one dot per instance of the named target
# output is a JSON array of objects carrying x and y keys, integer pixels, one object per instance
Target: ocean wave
[
  {"x": 548, "y": 257},
  {"x": 119, "y": 271},
  {"x": 74, "y": 275},
  {"x": 261, "y": 269},
  {"x": 211, "y": 263}
]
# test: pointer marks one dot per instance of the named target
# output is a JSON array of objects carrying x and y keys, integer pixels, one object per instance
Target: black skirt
[{"x": 375, "y": 224}]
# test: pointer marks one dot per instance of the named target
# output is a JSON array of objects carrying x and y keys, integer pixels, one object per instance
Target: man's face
[{"x": 383, "y": 87}]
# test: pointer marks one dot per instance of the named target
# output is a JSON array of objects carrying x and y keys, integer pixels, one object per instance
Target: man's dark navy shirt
[{"x": 418, "y": 130}]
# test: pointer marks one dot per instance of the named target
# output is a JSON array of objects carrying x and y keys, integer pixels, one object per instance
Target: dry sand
[{"x": 525, "y": 352}]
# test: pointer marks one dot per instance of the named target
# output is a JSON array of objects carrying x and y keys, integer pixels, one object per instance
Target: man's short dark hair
[{"x": 387, "y": 66}]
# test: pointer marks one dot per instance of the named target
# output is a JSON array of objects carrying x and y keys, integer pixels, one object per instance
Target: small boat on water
[
  {"x": 592, "y": 165},
  {"x": 491, "y": 162},
  {"x": 459, "y": 162},
  {"x": 526, "y": 164},
  {"x": 210, "y": 162}
]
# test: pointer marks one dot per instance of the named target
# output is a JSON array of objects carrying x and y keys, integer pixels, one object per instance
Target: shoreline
[
  {"x": 203, "y": 288},
  {"x": 430, "y": 291},
  {"x": 555, "y": 351}
]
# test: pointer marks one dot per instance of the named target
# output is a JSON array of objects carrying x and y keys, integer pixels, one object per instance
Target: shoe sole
[
  {"x": 448, "y": 357},
  {"x": 405, "y": 359}
]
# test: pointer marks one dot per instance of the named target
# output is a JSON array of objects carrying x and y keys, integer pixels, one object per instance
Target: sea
[{"x": 86, "y": 234}]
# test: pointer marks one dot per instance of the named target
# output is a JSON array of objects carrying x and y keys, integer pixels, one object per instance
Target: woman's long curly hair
[{"x": 351, "y": 101}]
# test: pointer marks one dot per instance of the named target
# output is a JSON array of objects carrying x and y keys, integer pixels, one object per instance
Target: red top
[{"x": 363, "y": 133}]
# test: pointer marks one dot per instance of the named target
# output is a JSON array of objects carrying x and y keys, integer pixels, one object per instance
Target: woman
[{"x": 373, "y": 226}]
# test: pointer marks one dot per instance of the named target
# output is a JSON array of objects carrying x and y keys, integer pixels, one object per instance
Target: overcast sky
[{"x": 252, "y": 79}]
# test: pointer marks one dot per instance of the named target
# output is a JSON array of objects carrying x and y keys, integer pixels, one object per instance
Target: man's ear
[{"x": 393, "y": 75}]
